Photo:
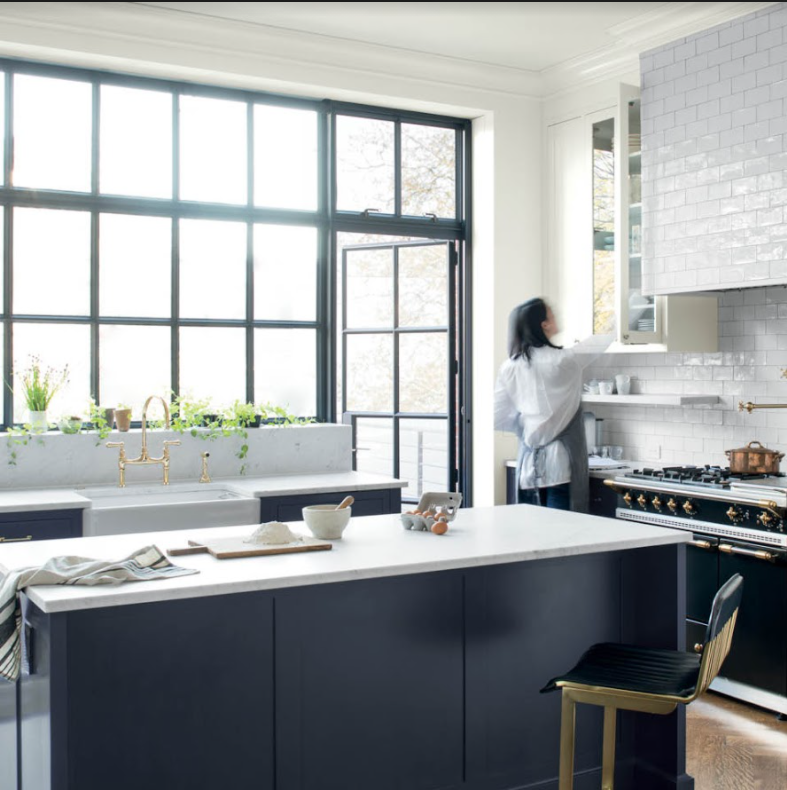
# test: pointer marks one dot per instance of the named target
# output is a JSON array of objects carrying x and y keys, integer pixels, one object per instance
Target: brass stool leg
[
  {"x": 567, "y": 721},
  {"x": 608, "y": 761}
]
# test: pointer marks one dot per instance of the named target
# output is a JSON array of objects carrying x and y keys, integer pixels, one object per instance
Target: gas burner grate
[{"x": 710, "y": 476}]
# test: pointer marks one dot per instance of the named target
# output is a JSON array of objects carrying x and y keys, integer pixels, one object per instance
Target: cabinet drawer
[
  {"x": 367, "y": 503},
  {"x": 47, "y": 525}
]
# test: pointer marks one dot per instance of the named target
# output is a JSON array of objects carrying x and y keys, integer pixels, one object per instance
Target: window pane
[
  {"x": 365, "y": 164},
  {"x": 423, "y": 286},
  {"x": 423, "y": 456},
  {"x": 213, "y": 364},
  {"x": 212, "y": 150},
  {"x": 135, "y": 364},
  {"x": 370, "y": 299},
  {"x": 56, "y": 345},
  {"x": 2, "y": 262},
  {"x": 428, "y": 171},
  {"x": 2, "y": 125},
  {"x": 285, "y": 369},
  {"x": 135, "y": 260},
  {"x": 51, "y": 262},
  {"x": 423, "y": 373},
  {"x": 136, "y": 142},
  {"x": 374, "y": 444},
  {"x": 212, "y": 269},
  {"x": 369, "y": 373},
  {"x": 285, "y": 273},
  {"x": 285, "y": 158},
  {"x": 52, "y": 133}
]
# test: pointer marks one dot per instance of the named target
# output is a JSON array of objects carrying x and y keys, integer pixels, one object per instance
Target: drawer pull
[
  {"x": 759, "y": 555},
  {"x": 15, "y": 540},
  {"x": 701, "y": 544}
]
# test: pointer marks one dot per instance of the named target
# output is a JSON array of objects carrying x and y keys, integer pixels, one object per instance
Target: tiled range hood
[{"x": 714, "y": 161}]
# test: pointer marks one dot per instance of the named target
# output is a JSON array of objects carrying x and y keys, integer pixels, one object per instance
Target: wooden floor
[{"x": 732, "y": 746}]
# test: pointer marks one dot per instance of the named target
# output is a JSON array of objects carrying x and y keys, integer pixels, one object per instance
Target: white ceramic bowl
[{"x": 325, "y": 521}]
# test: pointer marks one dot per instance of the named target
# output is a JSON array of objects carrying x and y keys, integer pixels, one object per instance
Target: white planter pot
[{"x": 38, "y": 421}]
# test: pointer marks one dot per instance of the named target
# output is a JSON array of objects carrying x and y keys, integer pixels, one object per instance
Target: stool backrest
[{"x": 718, "y": 636}]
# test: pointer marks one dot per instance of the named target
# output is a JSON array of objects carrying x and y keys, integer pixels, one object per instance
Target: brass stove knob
[
  {"x": 688, "y": 508},
  {"x": 672, "y": 504},
  {"x": 627, "y": 498},
  {"x": 734, "y": 515},
  {"x": 765, "y": 518},
  {"x": 643, "y": 500},
  {"x": 657, "y": 503}
]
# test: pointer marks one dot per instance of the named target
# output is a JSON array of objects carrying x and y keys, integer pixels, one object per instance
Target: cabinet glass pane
[
  {"x": 364, "y": 164},
  {"x": 285, "y": 158},
  {"x": 369, "y": 373},
  {"x": 603, "y": 227},
  {"x": 285, "y": 273},
  {"x": 374, "y": 445},
  {"x": 212, "y": 269},
  {"x": 428, "y": 170},
  {"x": 52, "y": 133},
  {"x": 423, "y": 286},
  {"x": 213, "y": 364},
  {"x": 56, "y": 346},
  {"x": 51, "y": 262},
  {"x": 423, "y": 376},
  {"x": 285, "y": 369},
  {"x": 135, "y": 266},
  {"x": 136, "y": 142},
  {"x": 135, "y": 363},
  {"x": 423, "y": 456},
  {"x": 369, "y": 277},
  {"x": 213, "y": 150}
]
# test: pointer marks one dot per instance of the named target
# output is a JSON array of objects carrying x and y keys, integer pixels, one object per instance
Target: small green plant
[
  {"x": 20, "y": 437},
  {"x": 98, "y": 420},
  {"x": 40, "y": 384}
]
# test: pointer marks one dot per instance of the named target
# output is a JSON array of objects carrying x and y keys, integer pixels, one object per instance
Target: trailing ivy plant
[
  {"x": 21, "y": 437},
  {"x": 98, "y": 421}
]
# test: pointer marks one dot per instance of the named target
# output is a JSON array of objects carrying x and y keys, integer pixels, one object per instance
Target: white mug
[
  {"x": 623, "y": 383},
  {"x": 606, "y": 387}
]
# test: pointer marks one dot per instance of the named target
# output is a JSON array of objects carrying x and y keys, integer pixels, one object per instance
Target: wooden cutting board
[{"x": 231, "y": 548}]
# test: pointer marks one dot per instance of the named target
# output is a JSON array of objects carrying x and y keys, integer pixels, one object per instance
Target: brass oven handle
[
  {"x": 701, "y": 544},
  {"x": 15, "y": 540},
  {"x": 758, "y": 555}
]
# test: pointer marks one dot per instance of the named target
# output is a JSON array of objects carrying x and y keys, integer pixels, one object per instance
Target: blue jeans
[{"x": 557, "y": 497}]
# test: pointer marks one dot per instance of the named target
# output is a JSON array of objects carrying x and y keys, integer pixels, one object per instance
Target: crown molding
[{"x": 665, "y": 25}]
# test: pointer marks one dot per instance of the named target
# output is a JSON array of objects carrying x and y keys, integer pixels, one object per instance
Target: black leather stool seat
[{"x": 639, "y": 669}]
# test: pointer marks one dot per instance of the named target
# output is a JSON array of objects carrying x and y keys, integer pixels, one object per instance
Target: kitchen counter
[
  {"x": 41, "y": 499},
  {"x": 396, "y": 659},
  {"x": 372, "y": 547}
]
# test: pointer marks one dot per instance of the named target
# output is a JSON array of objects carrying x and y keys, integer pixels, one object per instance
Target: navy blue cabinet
[{"x": 367, "y": 503}]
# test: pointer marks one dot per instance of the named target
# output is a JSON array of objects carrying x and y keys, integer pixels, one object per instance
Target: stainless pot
[{"x": 754, "y": 459}]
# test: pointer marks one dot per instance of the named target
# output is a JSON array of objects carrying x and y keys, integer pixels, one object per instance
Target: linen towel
[{"x": 145, "y": 564}]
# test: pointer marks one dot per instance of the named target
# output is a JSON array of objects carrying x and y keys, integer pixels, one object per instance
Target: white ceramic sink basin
[{"x": 156, "y": 508}]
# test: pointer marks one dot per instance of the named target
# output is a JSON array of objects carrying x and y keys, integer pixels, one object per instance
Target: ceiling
[{"x": 534, "y": 37}]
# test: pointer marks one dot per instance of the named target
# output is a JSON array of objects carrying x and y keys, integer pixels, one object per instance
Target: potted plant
[
  {"x": 39, "y": 386},
  {"x": 123, "y": 417},
  {"x": 71, "y": 424}
]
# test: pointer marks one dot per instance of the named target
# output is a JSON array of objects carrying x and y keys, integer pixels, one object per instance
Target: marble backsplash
[{"x": 55, "y": 459}]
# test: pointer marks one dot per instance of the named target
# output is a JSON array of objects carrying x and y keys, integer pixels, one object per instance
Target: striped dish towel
[{"x": 143, "y": 565}]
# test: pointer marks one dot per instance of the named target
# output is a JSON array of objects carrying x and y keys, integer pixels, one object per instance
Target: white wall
[{"x": 503, "y": 103}]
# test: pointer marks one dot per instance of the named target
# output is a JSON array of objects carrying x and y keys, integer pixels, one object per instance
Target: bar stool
[{"x": 644, "y": 679}]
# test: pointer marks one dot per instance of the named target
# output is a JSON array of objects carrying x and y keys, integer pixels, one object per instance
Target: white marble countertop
[
  {"x": 21, "y": 500},
  {"x": 372, "y": 546}
]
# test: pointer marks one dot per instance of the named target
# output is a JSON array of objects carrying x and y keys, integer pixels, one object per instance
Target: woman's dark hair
[{"x": 524, "y": 329}]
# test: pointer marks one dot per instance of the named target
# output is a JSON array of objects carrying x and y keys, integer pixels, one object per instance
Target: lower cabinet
[
  {"x": 367, "y": 503},
  {"x": 16, "y": 528},
  {"x": 603, "y": 499}
]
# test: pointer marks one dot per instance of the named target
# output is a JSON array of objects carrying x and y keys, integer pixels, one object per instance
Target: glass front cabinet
[{"x": 593, "y": 261}]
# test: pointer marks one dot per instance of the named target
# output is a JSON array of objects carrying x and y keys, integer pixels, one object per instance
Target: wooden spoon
[{"x": 346, "y": 502}]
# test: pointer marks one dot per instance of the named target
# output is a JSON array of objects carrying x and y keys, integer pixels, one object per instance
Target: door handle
[
  {"x": 702, "y": 544},
  {"x": 756, "y": 554}
]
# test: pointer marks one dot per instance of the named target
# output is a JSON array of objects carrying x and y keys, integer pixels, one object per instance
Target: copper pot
[{"x": 754, "y": 459}]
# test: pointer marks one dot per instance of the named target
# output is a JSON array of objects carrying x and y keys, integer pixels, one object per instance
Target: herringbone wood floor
[{"x": 732, "y": 746}]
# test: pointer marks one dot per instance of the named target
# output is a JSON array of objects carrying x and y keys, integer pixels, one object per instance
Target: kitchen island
[{"x": 396, "y": 661}]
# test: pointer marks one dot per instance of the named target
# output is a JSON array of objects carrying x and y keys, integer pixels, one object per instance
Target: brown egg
[{"x": 440, "y": 527}]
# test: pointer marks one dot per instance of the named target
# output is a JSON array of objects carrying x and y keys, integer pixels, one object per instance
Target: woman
[{"x": 537, "y": 396}]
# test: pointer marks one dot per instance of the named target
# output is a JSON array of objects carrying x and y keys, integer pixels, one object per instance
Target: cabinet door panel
[
  {"x": 367, "y": 503},
  {"x": 702, "y": 581},
  {"x": 7, "y": 735},
  {"x": 47, "y": 525}
]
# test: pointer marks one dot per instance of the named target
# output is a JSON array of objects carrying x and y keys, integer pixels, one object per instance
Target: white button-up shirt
[{"x": 537, "y": 399}]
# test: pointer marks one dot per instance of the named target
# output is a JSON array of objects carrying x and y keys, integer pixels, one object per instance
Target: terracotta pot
[
  {"x": 123, "y": 419},
  {"x": 754, "y": 459}
]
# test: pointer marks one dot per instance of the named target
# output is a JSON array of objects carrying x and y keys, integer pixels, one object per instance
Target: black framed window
[{"x": 163, "y": 236}]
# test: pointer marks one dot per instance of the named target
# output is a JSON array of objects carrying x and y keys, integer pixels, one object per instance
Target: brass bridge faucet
[{"x": 144, "y": 456}]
